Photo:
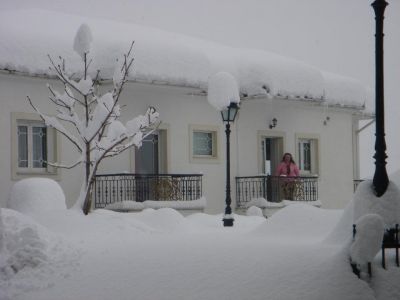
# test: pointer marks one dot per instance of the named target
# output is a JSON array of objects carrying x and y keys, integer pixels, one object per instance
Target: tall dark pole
[
  {"x": 381, "y": 179},
  {"x": 228, "y": 219}
]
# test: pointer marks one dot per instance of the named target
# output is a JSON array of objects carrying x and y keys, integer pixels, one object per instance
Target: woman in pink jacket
[{"x": 287, "y": 168}]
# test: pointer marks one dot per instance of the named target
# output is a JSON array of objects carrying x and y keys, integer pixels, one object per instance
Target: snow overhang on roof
[{"x": 28, "y": 36}]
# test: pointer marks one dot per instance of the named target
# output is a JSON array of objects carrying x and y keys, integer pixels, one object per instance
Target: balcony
[
  {"x": 111, "y": 188},
  {"x": 272, "y": 188}
]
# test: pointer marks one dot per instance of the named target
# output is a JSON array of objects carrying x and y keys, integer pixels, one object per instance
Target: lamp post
[
  {"x": 381, "y": 179},
  {"x": 228, "y": 116}
]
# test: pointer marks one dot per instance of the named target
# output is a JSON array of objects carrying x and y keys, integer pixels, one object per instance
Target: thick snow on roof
[{"x": 28, "y": 36}]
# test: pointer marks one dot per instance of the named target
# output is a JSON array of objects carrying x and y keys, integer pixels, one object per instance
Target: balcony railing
[
  {"x": 356, "y": 182},
  {"x": 110, "y": 188},
  {"x": 273, "y": 188}
]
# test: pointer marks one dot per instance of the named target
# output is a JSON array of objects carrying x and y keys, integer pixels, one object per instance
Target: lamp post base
[{"x": 228, "y": 222}]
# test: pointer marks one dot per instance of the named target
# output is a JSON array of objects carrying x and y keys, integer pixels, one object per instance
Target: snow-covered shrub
[
  {"x": 34, "y": 195},
  {"x": 254, "y": 211},
  {"x": 387, "y": 206},
  {"x": 368, "y": 239}
]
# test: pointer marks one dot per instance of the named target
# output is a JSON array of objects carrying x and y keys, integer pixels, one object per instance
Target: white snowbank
[
  {"x": 254, "y": 211},
  {"x": 128, "y": 205},
  {"x": 263, "y": 203},
  {"x": 196, "y": 258},
  {"x": 316, "y": 203},
  {"x": 387, "y": 206},
  {"x": 341, "y": 233},
  {"x": 125, "y": 205},
  {"x": 395, "y": 177},
  {"x": 258, "y": 202},
  {"x": 167, "y": 58},
  {"x": 364, "y": 203},
  {"x": 31, "y": 252},
  {"x": 34, "y": 195},
  {"x": 24, "y": 245},
  {"x": 299, "y": 220},
  {"x": 368, "y": 239}
]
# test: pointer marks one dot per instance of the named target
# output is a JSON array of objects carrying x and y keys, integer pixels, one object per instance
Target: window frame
[
  {"x": 314, "y": 153},
  {"x": 214, "y": 131},
  {"x": 52, "y": 144}
]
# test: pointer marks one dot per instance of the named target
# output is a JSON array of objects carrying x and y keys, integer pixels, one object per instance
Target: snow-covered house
[{"x": 285, "y": 106}]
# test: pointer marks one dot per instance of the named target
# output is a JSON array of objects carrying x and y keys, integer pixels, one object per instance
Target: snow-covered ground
[{"x": 301, "y": 252}]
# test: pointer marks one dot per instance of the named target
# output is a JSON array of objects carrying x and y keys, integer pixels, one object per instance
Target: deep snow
[{"x": 159, "y": 254}]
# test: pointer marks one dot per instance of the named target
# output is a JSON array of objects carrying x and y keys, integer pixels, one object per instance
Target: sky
[{"x": 333, "y": 35}]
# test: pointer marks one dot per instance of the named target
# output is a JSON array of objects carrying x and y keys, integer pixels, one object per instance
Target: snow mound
[
  {"x": 395, "y": 177},
  {"x": 126, "y": 205},
  {"x": 254, "y": 211},
  {"x": 342, "y": 231},
  {"x": 387, "y": 206},
  {"x": 129, "y": 205},
  {"x": 178, "y": 204},
  {"x": 368, "y": 239},
  {"x": 258, "y": 202},
  {"x": 299, "y": 219},
  {"x": 29, "y": 253},
  {"x": 34, "y": 195},
  {"x": 166, "y": 219},
  {"x": 24, "y": 244}
]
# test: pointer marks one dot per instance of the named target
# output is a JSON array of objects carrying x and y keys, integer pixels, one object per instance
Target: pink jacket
[{"x": 282, "y": 170}]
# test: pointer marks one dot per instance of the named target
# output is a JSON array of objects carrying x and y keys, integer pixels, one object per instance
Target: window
[
  {"x": 33, "y": 144},
  {"x": 203, "y": 143},
  {"x": 307, "y": 154}
]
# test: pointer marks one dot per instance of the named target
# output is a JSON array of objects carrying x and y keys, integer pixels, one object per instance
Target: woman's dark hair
[{"x": 291, "y": 157}]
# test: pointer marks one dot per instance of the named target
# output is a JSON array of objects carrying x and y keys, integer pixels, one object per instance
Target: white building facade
[{"x": 316, "y": 118}]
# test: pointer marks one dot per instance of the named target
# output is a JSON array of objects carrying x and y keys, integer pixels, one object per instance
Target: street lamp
[
  {"x": 228, "y": 116},
  {"x": 381, "y": 179}
]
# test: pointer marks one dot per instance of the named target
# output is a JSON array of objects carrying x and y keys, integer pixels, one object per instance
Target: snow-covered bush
[
  {"x": 34, "y": 195},
  {"x": 368, "y": 239},
  {"x": 96, "y": 131},
  {"x": 254, "y": 211},
  {"x": 387, "y": 206}
]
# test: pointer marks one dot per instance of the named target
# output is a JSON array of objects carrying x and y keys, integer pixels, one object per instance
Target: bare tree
[{"x": 96, "y": 131}]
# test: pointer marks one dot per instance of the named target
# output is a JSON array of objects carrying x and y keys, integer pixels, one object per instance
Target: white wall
[
  {"x": 13, "y": 92},
  {"x": 335, "y": 142},
  {"x": 179, "y": 108}
]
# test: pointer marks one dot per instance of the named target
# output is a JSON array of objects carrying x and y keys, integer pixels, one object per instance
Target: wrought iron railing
[
  {"x": 110, "y": 188},
  {"x": 275, "y": 188}
]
